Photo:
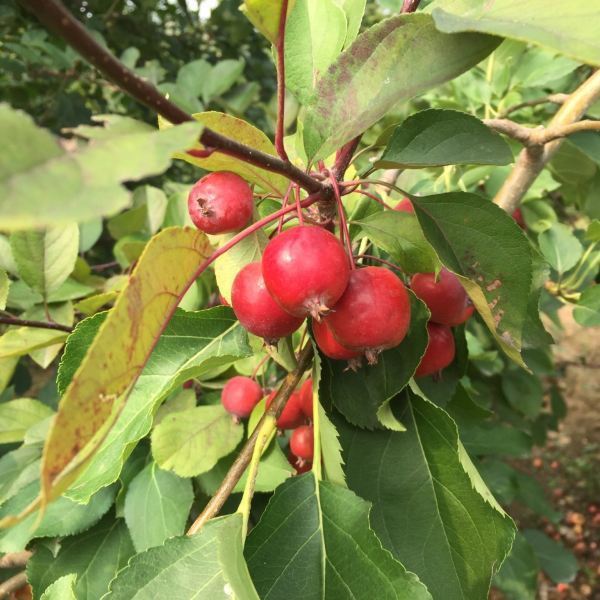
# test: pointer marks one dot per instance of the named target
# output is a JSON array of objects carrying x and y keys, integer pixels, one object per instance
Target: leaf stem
[
  {"x": 13, "y": 584},
  {"x": 243, "y": 459},
  {"x": 344, "y": 231},
  {"x": 280, "y": 49}
]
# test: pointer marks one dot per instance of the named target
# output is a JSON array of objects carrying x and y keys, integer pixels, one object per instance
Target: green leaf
[
  {"x": 157, "y": 505},
  {"x": 314, "y": 37},
  {"x": 18, "y": 468},
  {"x": 191, "y": 442},
  {"x": 243, "y": 132},
  {"x": 222, "y": 76},
  {"x": 4, "y": 285},
  {"x": 496, "y": 440},
  {"x": 433, "y": 138},
  {"x": 588, "y": 142},
  {"x": 478, "y": 241},
  {"x": 568, "y": 28},
  {"x": 587, "y": 309},
  {"x": 62, "y": 589},
  {"x": 517, "y": 578},
  {"x": 192, "y": 76},
  {"x": 17, "y": 416},
  {"x": 523, "y": 391},
  {"x": 191, "y": 345},
  {"x": 354, "y": 9},
  {"x": 94, "y": 556},
  {"x": 206, "y": 566},
  {"x": 264, "y": 15},
  {"x": 49, "y": 186},
  {"x": 360, "y": 395},
  {"x": 560, "y": 247},
  {"x": 118, "y": 353},
  {"x": 181, "y": 401},
  {"x": 23, "y": 340},
  {"x": 46, "y": 258},
  {"x": 399, "y": 234},
  {"x": 61, "y": 517},
  {"x": 423, "y": 476},
  {"x": 314, "y": 541},
  {"x": 593, "y": 231},
  {"x": 559, "y": 563},
  {"x": 392, "y": 61}
]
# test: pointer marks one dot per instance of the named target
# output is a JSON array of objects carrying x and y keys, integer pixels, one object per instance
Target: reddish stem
[
  {"x": 298, "y": 207},
  {"x": 279, "y": 130},
  {"x": 343, "y": 157},
  {"x": 381, "y": 260},
  {"x": 9, "y": 320},
  {"x": 409, "y": 6},
  {"x": 283, "y": 205},
  {"x": 344, "y": 231}
]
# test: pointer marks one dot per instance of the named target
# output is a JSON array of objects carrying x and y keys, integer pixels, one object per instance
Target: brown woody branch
[
  {"x": 538, "y": 136},
  {"x": 532, "y": 160},
  {"x": 13, "y": 584},
  {"x": 243, "y": 458},
  {"x": 15, "y": 559},
  {"x": 38, "y": 324},
  {"x": 59, "y": 20}
]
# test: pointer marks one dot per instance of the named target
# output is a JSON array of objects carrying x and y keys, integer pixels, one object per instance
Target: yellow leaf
[
  {"x": 242, "y": 132},
  {"x": 23, "y": 340},
  {"x": 120, "y": 350}
]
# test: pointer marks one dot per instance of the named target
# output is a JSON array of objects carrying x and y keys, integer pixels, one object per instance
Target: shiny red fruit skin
[
  {"x": 405, "y": 205},
  {"x": 374, "y": 312},
  {"x": 301, "y": 465},
  {"x": 291, "y": 416},
  {"x": 306, "y": 398},
  {"x": 302, "y": 442},
  {"x": 440, "y": 350},
  {"x": 328, "y": 345},
  {"x": 240, "y": 395},
  {"x": 221, "y": 202},
  {"x": 445, "y": 298},
  {"x": 306, "y": 270},
  {"x": 256, "y": 309}
]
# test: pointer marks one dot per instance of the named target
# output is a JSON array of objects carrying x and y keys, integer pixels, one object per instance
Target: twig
[
  {"x": 538, "y": 136},
  {"x": 37, "y": 324},
  {"x": 243, "y": 458},
  {"x": 15, "y": 559},
  {"x": 344, "y": 231},
  {"x": 343, "y": 157},
  {"x": 531, "y": 161},
  {"x": 59, "y": 20},
  {"x": 13, "y": 584},
  {"x": 280, "y": 49},
  {"x": 409, "y": 6},
  {"x": 552, "y": 99}
]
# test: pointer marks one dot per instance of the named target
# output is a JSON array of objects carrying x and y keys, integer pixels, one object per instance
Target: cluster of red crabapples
[
  {"x": 305, "y": 271},
  {"x": 241, "y": 394}
]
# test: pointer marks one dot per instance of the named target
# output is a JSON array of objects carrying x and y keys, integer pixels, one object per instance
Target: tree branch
[
  {"x": 243, "y": 458},
  {"x": 60, "y": 21},
  {"x": 39, "y": 324},
  {"x": 532, "y": 160},
  {"x": 279, "y": 130},
  {"x": 552, "y": 99},
  {"x": 409, "y": 6},
  {"x": 15, "y": 559},
  {"x": 538, "y": 136},
  {"x": 13, "y": 584}
]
